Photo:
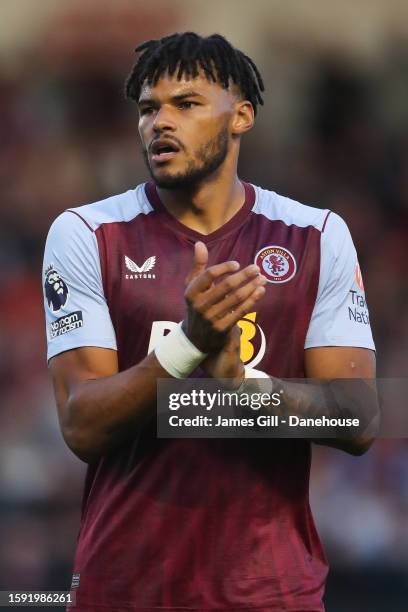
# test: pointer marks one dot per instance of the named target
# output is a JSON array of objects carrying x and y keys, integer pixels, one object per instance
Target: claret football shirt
[{"x": 199, "y": 524}]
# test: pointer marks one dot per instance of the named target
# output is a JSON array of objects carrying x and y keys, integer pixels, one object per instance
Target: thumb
[{"x": 200, "y": 261}]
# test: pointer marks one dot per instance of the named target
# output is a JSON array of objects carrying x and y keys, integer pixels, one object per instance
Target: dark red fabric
[{"x": 202, "y": 524}]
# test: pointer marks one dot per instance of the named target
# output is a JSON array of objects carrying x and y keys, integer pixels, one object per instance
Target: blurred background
[{"x": 333, "y": 133}]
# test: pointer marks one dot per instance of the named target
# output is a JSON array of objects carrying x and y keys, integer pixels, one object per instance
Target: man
[{"x": 196, "y": 524}]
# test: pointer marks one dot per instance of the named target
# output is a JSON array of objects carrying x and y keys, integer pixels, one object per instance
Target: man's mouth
[{"x": 163, "y": 150}]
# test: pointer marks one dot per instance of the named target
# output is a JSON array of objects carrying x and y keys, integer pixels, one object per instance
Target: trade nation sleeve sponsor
[{"x": 340, "y": 316}]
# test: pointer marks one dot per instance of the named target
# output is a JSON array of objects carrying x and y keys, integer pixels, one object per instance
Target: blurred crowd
[{"x": 69, "y": 137}]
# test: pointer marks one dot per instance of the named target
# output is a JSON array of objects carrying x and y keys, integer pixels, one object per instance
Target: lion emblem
[
  {"x": 56, "y": 291},
  {"x": 276, "y": 265}
]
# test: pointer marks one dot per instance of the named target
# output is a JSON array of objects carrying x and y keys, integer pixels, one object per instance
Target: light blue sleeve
[
  {"x": 340, "y": 316},
  {"x": 76, "y": 311}
]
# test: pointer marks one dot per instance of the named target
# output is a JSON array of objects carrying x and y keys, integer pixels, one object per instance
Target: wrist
[{"x": 177, "y": 354}]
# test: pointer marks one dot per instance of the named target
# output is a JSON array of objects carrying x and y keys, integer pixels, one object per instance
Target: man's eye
[
  {"x": 187, "y": 104},
  {"x": 146, "y": 110}
]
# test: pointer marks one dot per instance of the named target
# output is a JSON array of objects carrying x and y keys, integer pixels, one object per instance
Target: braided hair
[{"x": 185, "y": 54}]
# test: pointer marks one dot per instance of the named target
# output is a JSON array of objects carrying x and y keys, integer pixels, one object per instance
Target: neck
[{"x": 207, "y": 206}]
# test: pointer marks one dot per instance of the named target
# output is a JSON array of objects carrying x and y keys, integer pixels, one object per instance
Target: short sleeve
[
  {"x": 76, "y": 311},
  {"x": 340, "y": 316}
]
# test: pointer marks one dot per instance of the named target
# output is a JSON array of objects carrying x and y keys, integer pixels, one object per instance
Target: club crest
[{"x": 276, "y": 263}]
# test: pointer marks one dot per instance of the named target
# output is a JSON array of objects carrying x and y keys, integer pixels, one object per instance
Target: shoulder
[
  {"x": 276, "y": 207},
  {"x": 71, "y": 237},
  {"x": 335, "y": 234},
  {"x": 123, "y": 207},
  {"x": 79, "y": 223}
]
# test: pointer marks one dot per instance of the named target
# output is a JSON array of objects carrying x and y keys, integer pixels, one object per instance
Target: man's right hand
[{"x": 213, "y": 308}]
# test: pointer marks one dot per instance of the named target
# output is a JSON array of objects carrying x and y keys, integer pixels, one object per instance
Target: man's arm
[
  {"x": 99, "y": 408},
  {"x": 338, "y": 326},
  {"x": 344, "y": 388},
  {"x": 332, "y": 395},
  {"x": 347, "y": 363}
]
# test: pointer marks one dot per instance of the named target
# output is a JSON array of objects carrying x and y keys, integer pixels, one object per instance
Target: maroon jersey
[{"x": 193, "y": 524}]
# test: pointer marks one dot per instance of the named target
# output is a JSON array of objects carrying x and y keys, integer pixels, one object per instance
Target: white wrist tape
[{"x": 177, "y": 354}]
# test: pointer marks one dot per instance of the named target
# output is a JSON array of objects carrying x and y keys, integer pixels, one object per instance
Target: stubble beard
[{"x": 208, "y": 158}]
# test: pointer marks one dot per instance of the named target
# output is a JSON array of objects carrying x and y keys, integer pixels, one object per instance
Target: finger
[
  {"x": 226, "y": 286},
  {"x": 200, "y": 261},
  {"x": 235, "y": 298},
  {"x": 203, "y": 281},
  {"x": 230, "y": 319}
]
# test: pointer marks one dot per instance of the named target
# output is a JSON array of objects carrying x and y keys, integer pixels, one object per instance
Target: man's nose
[{"x": 164, "y": 120}]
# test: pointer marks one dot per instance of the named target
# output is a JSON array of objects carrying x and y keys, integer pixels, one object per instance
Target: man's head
[{"x": 196, "y": 97}]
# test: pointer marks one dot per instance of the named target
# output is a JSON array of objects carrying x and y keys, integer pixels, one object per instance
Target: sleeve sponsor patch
[
  {"x": 357, "y": 310},
  {"x": 357, "y": 305},
  {"x": 66, "y": 324},
  {"x": 55, "y": 289}
]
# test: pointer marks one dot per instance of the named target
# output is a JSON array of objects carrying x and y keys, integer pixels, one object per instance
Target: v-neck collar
[{"x": 235, "y": 221}]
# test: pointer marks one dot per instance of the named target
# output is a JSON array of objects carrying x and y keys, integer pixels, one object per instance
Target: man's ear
[{"x": 243, "y": 118}]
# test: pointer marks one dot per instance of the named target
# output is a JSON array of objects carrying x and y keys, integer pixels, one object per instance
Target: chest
[{"x": 147, "y": 264}]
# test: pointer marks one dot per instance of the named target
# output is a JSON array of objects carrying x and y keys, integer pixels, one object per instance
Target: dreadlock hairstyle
[{"x": 188, "y": 53}]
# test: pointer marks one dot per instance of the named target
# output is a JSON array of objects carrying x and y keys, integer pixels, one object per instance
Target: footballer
[{"x": 197, "y": 271}]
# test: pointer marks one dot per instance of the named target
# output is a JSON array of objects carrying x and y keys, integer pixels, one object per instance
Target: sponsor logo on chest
[
  {"x": 143, "y": 272},
  {"x": 252, "y": 341}
]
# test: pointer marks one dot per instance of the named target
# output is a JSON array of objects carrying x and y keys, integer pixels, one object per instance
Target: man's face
[{"x": 184, "y": 129}]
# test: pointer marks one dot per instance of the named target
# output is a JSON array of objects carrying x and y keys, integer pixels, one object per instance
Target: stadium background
[{"x": 333, "y": 133}]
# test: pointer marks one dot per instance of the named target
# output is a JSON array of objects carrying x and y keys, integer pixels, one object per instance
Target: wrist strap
[{"x": 177, "y": 354}]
